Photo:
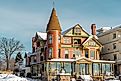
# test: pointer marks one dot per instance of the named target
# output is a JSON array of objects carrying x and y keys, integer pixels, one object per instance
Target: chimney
[{"x": 93, "y": 28}]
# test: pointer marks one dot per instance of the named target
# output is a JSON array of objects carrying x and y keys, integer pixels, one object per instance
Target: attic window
[
  {"x": 91, "y": 43},
  {"x": 78, "y": 30}
]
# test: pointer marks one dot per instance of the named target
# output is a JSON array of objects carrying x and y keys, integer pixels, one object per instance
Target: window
[
  {"x": 59, "y": 39},
  {"x": 33, "y": 49},
  {"x": 106, "y": 69},
  {"x": 115, "y": 57},
  {"x": 66, "y": 53},
  {"x": 92, "y": 54},
  {"x": 77, "y": 41},
  {"x": 59, "y": 54},
  {"x": 96, "y": 68},
  {"x": 114, "y": 46},
  {"x": 114, "y": 35},
  {"x": 77, "y": 53},
  {"x": 50, "y": 52},
  {"x": 38, "y": 44},
  {"x": 50, "y": 39},
  {"x": 78, "y": 30},
  {"x": 86, "y": 54},
  {"x": 67, "y": 40},
  {"x": 74, "y": 55},
  {"x": 35, "y": 59},
  {"x": 92, "y": 43},
  {"x": 41, "y": 58},
  {"x": 67, "y": 67}
]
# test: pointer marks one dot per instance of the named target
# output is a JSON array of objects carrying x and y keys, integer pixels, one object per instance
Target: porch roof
[
  {"x": 61, "y": 60},
  {"x": 79, "y": 59}
]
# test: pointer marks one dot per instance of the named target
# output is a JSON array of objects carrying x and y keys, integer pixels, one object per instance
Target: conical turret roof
[{"x": 53, "y": 23}]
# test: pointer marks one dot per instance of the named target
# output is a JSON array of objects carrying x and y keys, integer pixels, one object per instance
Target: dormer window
[{"x": 50, "y": 39}]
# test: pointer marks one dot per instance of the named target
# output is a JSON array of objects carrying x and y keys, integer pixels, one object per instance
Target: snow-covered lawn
[{"x": 11, "y": 77}]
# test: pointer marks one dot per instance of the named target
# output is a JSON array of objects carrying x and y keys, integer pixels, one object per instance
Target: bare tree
[{"x": 8, "y": 47}]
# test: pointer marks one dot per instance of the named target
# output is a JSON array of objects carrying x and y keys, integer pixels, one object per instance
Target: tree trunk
[{"x": 7, "y": 64}]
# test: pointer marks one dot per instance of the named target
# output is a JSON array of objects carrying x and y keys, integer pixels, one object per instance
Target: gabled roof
[
  {"x": 42, "y": 35},
  {"x": 66, "y": 31},
  {"x": 84, "y": 58},
  {"x": 94, "y": 37},
  {"x": 53, "y": 23}
]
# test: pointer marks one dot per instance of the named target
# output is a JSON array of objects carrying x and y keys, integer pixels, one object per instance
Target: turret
[{"x": 53, "y": 36}]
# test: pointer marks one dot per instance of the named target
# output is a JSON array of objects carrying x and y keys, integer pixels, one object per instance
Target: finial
[{"x": 53, "y": 3}]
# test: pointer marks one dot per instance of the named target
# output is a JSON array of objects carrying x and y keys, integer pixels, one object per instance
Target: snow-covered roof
[
  {"x": 43, "y": 35},
  {"x": 115, "y": 28},
  {"x": 103, "y": 61},
  {"x": 81, "y": 58},
  {"x": 62, "y": 60}
]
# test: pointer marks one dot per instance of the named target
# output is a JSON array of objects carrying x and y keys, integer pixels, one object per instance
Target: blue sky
[{"x": 22, "y": 18}]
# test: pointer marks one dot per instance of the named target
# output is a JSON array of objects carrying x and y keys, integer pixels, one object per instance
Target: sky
[{"x": 22, "y": 18}]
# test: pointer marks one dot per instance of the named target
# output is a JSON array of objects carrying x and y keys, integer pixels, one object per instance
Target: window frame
[
  {"x": 91, "y": 54},
  {"x": 50, "y": 56},
  {"x": 50, "y": 39}
]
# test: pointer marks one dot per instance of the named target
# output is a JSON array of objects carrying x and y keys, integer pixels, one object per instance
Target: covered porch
[
  {"x": 98, "y": 69},
  {"x": 95, "y": 68}
]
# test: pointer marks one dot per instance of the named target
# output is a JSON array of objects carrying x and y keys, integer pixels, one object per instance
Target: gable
[
  {"x": 83, "y": 60},
  {"x": 77, "y": 30},
  {"x": 92, "y": 43}
]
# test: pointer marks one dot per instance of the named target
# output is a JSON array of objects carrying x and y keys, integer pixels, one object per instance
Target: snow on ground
[{"x": 11, "y": 77}]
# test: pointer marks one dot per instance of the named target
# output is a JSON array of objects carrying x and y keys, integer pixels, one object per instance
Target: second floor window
[
  {"x": 59, "y": 53},
  {"x": 67, "y": 40},
  {"x": 86, "y": 54},
  {"x": 77, "y": 53},
  {"x": 66, "y": 53},
  {"x": 92, "y": 54},
  {"x": 50, "y": 39}
]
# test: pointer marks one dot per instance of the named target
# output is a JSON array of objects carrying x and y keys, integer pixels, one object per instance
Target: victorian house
[{"x": 67, "y": 53}]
